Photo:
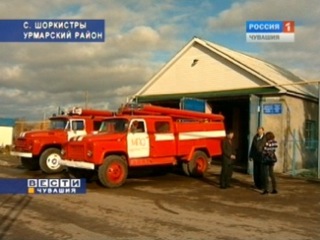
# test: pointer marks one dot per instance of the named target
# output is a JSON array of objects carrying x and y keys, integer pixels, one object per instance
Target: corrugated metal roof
[{"x": 247, "y": 72}]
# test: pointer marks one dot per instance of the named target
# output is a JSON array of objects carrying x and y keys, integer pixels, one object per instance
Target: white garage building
[{"x": 249, "y": 92}]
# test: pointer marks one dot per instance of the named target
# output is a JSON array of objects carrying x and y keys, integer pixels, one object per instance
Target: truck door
[
  {"x": 76, "y": 128},
  {"x": 138, "y": 143}
]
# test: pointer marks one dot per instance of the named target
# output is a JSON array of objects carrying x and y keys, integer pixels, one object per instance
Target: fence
[{"x": 302, "y": 158}]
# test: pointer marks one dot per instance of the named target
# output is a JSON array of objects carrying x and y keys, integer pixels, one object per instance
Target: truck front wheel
[
  {"x": 49, "y": 161},
  {"x": 113, "y": 172},
  {"x": 30, "y": 164},
  {"x": 198, "y": 164}
]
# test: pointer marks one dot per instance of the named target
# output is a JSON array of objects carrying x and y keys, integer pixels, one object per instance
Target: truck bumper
[
  {"x": 21, "y": 154},
  {"x": 76, "y": 164}
]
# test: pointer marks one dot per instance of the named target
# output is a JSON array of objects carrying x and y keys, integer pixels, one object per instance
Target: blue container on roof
[
  {"x": 7, "y": 122},
  {"x": 193, "y": 104}
]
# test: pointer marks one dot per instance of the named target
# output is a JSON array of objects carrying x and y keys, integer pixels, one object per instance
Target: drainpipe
[{"x": 260, "y": 112}]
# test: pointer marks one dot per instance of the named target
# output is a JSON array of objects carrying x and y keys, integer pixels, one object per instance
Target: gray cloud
[
  {"x": 38, "y": 78},
  {"x": 236, "y": 16},
  {"x": 301, "y": 57}
]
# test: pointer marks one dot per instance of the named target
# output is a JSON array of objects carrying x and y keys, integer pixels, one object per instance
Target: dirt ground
[{"x": 171, "y": 206}]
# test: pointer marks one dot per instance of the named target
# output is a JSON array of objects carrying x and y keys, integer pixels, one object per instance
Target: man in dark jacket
[
  {"x": 228, "y": 157},
  {"x": 257, "y": 145}
]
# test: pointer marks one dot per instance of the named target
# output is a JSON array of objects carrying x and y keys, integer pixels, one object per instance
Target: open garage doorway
[{"x": 236, "y": 111}]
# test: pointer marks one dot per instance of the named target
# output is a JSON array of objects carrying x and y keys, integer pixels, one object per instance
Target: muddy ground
[{"x": 171, "y": 206}]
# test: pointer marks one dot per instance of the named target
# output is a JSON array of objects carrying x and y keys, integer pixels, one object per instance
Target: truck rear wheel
[
  {"x": 113, "y": 172},
  {"x": 31, "y": 164},
  {"x": 49, "y": 161},
  {"x": 185, "y": 168},
  {"x": 198, "y": 164}
]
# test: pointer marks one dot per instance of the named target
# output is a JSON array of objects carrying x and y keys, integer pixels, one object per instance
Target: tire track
[{"x": 16, "y": 205}]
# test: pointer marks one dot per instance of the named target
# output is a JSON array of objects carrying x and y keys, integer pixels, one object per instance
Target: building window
[{"x": 311, "y": 135}]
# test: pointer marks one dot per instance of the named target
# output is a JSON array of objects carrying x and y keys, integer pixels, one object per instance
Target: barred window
[{"x": 311, "y": 135}]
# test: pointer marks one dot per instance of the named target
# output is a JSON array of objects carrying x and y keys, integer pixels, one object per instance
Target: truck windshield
[
  {"x": 114, "y": 126},
  {"x": 58, "y": 124}
]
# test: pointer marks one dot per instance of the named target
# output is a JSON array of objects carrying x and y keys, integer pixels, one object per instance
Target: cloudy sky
[{"x": 141, "y": 36}]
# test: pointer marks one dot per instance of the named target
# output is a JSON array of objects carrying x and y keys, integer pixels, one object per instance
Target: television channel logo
[
  {"x": 56, "y": 186},
  {"x": 270, "y": 31},
  {"x": 42, "y": 186}
]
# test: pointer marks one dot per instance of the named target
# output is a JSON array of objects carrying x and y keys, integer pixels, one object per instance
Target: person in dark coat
[
  {"x": 269, "y": 158},
  {"x": 255, "y": 154},
  {"x": 228, "y": 158}
]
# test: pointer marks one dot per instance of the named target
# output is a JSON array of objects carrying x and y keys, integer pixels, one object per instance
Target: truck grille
[{"x": 21, "y": 144}]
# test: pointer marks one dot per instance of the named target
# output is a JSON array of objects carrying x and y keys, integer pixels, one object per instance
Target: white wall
[
  {"x": 210, "y": 72},
  {"x": 289, "y": 125},
  {"x": 6, "y": 134}
]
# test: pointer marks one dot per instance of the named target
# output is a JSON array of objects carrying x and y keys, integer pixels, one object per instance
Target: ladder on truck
[
  {"x": 90, "y": 112},
  {"x": 176, "y": 114}
]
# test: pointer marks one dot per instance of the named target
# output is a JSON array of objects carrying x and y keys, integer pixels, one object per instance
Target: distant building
[
  {"x": 249, "y": 92},
  {"x": 6, "y": 131}
]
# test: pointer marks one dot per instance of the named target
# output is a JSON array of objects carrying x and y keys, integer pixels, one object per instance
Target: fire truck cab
[
  {"x": 40, "y": 149},
  {"x": 146, "y": 136}
]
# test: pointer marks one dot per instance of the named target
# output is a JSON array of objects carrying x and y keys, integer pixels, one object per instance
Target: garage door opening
[{"x": 236, "y": 113}]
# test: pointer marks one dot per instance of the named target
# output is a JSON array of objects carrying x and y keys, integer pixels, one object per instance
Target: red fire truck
[
  {"x": 41, "y": 148},
  {"x": 146, "y": 135}
]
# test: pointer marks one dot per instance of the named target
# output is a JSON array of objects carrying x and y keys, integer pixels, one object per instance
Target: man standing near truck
[
  {"x": 228, "y": 158},
  {"x": 257, "y": 145}
]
